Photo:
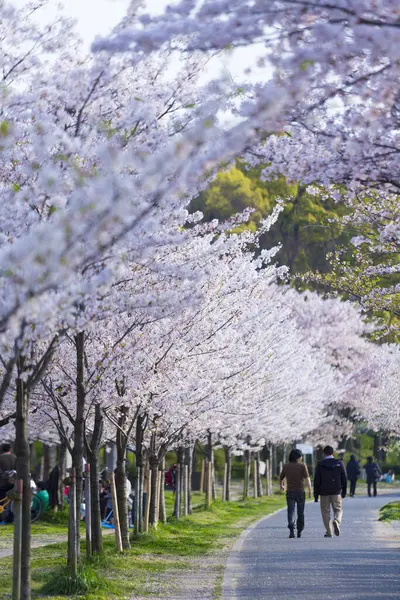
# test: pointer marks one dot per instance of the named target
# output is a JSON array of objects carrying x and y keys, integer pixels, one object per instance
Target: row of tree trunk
[{"x": 150, "y": 479}]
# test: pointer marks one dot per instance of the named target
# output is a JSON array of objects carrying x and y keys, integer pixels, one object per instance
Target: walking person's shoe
[
  {"x": 291, "y": 534},
  {"x": 336, "y": 527},
  {"x": 327, "y": 534},
  {"x": 299, "y": 534}
]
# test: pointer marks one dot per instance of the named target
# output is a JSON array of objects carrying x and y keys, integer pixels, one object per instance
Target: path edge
[{"x": 228, "y": 582}]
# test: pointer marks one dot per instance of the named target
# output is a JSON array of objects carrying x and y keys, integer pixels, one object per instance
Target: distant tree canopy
[{"x": 305, "y": 230}]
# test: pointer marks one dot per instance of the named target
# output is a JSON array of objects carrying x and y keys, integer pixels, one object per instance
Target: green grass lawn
[
  {"x": 169, "y": 547},
  {"x": 390, "y": 512}
]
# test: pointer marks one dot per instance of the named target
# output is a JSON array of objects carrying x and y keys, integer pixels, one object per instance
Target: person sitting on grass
[
  {"x": 296, "y": 474},
  {"x": 43, "y": 495}
]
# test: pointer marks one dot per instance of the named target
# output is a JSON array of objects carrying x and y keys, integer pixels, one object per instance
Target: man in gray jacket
[{"x": 330, "y": 483}]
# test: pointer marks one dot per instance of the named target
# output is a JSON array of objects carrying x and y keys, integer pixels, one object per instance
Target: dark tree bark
[
  {"x": 23, "y": 472},
  {"x": 177, "y": 507},
  {"x": 179, "y": 481},
  {"x": 275, "y": 466},
  {"x": 62, "y": 455},
  {"x": 210, "y": 456},
  {"x": 141, "y": 423},
  {"x": 79, "y": 430},
  {"x": 120, "y": 478},
  {"x": 228, "y": 461},
  {"x": 49, "y": 460},
  {"x": 163, "y": 511},
  {"x": 194, "y": 458},
  {"x": 246, "y": 460},
  {"x": 92, "y": 450},
  {"x": 154, "y": 499},
  {"x": 72, "y": 526},
  {"x": 189, "y": 464},
  {"x": 258, "y": 477}
]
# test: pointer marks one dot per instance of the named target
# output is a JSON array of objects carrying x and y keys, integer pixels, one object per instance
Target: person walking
[
  {"x": 353, "y": 473},
  {"x": 373, "y": 473},
  {"x": 296, "y": 474},
  {"x": 330, "y": 484}
]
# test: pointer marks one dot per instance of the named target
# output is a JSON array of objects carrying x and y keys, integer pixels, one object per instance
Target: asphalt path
[{"x": 363, "y": 563}]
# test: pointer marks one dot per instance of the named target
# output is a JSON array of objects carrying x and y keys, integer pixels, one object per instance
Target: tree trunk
[
  {"x": 33, "y": 459},
  {"x": 136, "y": 503},
  {"x": 202, "y": 477},
  {"x": 154, "y": 491},
  {"x": 17, "y": 549},
  {"x": 178, "y": 488},
  {"x": 274, "y": 469},
  {"x": 97, "y": 538},
  {"x": 72, "y": 526},
  {"x": 163, "y": 512},
  {"x": 117, "y": 528},
  {"x": 120, "y": 480},
  {"x": 140, "y": 427},
  {"x": 49, "y": 460},
  {"x": 194, "y": 459},
  {"x": 246, "y": 461},
  {"x": 185, "y": 490},
  {"x": 23, "y": 473},
  {"x": 259, "y": 482},
  {"x": 208, "y": 478},
  {"x": 189, "y": 463},
  {"x": 62, "y": 454},
  {"x": 88, "y": 513},
  {"x": 79, "y": 431},
  {"x": 92, "y": 450},
  {"x": 148, "y": 499},
  {"x": 224, "y": 482},
  {"x": 255, "y": 491},
  {"x": 181, "y": 462},
  {"x": 228, "y": 462},
  {"x": 211, "y": 474}
]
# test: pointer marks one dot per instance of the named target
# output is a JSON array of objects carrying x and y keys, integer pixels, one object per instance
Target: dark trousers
[
  {"x": 293, "y": 498},
  {"x": 353, "y": 483},
  {"x": 373, "y": 483}
]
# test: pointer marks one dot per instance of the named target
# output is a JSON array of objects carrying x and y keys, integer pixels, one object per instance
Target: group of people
[
  {"x": 373, "y": 473},
  {"x": 8, "y": 465},
  {"x": 330, "y": 487}
]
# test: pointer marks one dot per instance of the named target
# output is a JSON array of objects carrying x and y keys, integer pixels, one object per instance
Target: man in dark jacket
[
  {"x": 330, "y": 483},
  {"x": 373, "y": 473},
  {"x": 353, "y": 473}
]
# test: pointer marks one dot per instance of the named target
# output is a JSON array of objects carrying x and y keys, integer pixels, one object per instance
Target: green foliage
[
  {"x": 87, "y": 581},
  {"x": 4, "y": 128},
  {"x": 306, "y": 230},
  {"x": 390, "y": 512},
  {"x": 170, "y": 548}
]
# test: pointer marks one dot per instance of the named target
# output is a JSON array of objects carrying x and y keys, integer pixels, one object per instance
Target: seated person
[
  {"x": 108, "y": 503},
  {"x": 43, "y": 495},
  {"x": 388, "y": 477}
]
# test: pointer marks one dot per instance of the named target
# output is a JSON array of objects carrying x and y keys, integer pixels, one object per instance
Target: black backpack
[{"x": 375, "y": 472}]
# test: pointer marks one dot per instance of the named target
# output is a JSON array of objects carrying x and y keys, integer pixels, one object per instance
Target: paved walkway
[{"x": 362, "y": 564}]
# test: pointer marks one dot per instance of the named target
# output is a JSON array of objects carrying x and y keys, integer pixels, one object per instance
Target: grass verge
[
  {"x": 171, "y": 547},
  {"x": 390, "y": 512}
]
